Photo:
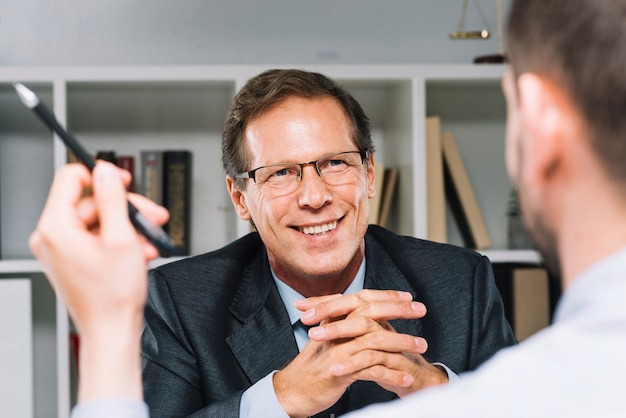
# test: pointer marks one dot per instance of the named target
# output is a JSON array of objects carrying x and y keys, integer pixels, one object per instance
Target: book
[
  {"x": 379, "y": 171},
  {"x": 75, "y": 348},
  {"x": 389, "y": 190},
  {"x": 177, "y": 198},
  {"x": 109, "y": 156},
  {"x": 127, "y": 162},
  {"x": 152, "y": 175},
  {"x": 461, "y": 198},
  {"x": 435, "y": 190},
  {"x": 525, "y": 292}
]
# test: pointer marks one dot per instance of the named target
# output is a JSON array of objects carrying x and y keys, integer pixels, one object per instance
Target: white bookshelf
[{"x": 129, "y": 109}]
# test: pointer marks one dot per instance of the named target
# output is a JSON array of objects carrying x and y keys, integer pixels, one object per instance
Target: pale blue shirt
[
  {"x": 111, "y": 408},
  {"x": 574, "y": 368}
]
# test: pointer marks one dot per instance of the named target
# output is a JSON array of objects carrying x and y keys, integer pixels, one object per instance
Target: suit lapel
[
  {"x": 262, "y": 337},
  {"x": 382, "y": 273}
]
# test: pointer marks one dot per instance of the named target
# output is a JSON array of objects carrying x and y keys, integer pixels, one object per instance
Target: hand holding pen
[
  {"x": 97, "y": 263},
  {"x": 155, "y": 234}
]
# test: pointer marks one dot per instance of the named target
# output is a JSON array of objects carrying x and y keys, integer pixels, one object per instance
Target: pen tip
[{"x": 27, "y": 97}]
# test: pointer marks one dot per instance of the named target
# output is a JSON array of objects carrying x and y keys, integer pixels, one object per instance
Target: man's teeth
[{"x": 319, "y": 229}]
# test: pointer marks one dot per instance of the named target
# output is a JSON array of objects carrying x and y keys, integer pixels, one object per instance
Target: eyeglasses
[{"x": 334, "y": 169}]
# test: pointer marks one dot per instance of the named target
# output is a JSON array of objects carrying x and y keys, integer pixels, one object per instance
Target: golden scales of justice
[{"x": 485, "y": 33}]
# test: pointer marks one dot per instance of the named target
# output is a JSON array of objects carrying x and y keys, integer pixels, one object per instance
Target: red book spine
[{"x": 127, "y": 162}]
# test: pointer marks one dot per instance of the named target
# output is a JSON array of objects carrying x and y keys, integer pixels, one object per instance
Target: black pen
[{"x": 155, "y": 234}]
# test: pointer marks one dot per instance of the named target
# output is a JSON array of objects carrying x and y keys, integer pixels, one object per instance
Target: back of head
[
  {"x": 272, "y": 87},
  {"x": 581, "y": 46}
]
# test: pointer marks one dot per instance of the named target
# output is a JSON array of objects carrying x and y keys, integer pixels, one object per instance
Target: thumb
[{"x": 110, "y": 198}]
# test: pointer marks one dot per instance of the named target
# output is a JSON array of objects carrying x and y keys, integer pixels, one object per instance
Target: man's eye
[
  {"x": 281, "y": 173},
  {"x": 335, "y": 163}
]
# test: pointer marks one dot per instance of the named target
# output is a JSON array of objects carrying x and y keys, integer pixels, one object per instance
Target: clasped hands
[{"x": 354, "y": 341}]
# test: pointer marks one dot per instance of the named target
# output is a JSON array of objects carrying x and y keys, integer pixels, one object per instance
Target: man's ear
[
  {"x": 371, "y": 177},
  {"x": 238, "y": 199},
  {"x": 544, "y": 113}
]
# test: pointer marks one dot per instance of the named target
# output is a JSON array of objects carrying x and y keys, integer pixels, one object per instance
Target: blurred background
[{"x": 187, "y": 32}]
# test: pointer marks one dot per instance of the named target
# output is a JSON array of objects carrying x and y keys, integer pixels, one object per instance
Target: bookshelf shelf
[
  {"x": 19, "y": 266},
  {"x": 130, "y": 109},
  {"x": 513, "y": 256}
]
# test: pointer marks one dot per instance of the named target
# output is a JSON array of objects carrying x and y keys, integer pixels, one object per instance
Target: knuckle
[
  {"x": 407, "y": 308},
  {"x": 331, "y": 328},
  {"x": 377, "y": 372},
  {"x": 377, "y": 339},
  {"x": 321, "y": 309},
  {"x": 45, "y": 234},
  {"x": 370, "y": 357},
  {"x": 364, "y": 294},
  {"x": 363, "y": 322},
  {"x": 355, "y": 299}
]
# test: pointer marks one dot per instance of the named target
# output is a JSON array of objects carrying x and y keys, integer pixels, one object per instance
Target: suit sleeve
[
  {"x": 490, "y": 329},
  {"x": 171, "y": 379}
]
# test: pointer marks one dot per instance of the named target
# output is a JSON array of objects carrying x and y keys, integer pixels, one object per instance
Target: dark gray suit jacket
[{"x": 215, "y": 323}]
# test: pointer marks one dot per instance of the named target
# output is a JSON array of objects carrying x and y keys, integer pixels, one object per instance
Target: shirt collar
[
  {"x": 600, "y": 287},
  {"x": 289, "y": 296}
]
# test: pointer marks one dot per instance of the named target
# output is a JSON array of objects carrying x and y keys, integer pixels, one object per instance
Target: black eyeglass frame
[{"x": 251, "y": 174}]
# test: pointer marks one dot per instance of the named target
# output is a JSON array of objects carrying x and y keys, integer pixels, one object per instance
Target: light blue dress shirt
[
  {"x": 111, "y": 408},
  {"x": 574, "y": 368}
]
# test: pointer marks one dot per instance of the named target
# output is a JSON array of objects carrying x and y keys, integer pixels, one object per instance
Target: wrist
[
  {"x": 292, "y": 405},
  {"x": 442, "y": 376},
  {"x": 109, "y": 359}
]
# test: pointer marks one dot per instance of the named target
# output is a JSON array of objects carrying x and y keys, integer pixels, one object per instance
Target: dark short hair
[
  {"x": 581, "y": 46},
  {"x": 271, "y": 87}
]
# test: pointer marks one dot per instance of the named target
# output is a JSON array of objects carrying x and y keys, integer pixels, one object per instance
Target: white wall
[{"x": 181, "y": 32}]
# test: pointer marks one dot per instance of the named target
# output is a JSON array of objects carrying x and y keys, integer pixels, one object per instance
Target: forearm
[{"x": 110, "y": 364}]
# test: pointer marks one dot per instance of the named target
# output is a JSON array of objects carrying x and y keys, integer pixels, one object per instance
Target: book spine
[
  {"x": 127, "y": 162},
  {"x": 435, "y": 198},
  {"x": 456, "y": 207},
  {"x": 152, "y": 175},
  {"x": 460, "y": 194},
  {"x": 177, "y": 165},
  {"x": 109, "y": 156},
  {"x": 388, "y": 192}
]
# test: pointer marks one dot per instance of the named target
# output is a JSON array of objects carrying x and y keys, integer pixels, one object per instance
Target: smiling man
[
  {"x": 565, "y": 90},
  {"x": 224, "y": 334}
]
